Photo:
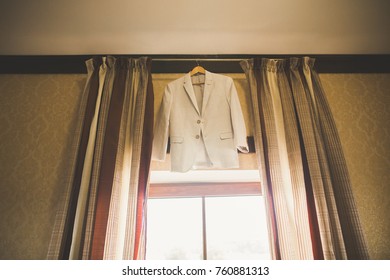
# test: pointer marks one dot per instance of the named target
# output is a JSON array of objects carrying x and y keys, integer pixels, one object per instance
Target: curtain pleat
[
  {"x": 108, "y": 64},
  {"x": 108, "y": 161},
  {"x": 86, "y": 175},
  {"x": 113, "y": 241},
  {"x": 61, "y": 239},
  {"x": 352, "y": 233},
  {"x": 106, "y": 197},
  {"x": 327, "y": 213},
  {"x": 311, "y": 210},
  {"x": 145, "y": 160}
]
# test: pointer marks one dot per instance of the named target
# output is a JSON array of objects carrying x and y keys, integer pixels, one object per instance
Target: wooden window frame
[{"x": 177, "y": 190}]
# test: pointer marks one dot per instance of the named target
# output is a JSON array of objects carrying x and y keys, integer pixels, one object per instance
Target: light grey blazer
[{"x": 217, "y": 128}]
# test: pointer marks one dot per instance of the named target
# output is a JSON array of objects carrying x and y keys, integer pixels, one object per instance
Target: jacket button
[
  {"x": 197, "y": 136},
  {"x": 198, "y": 121}
]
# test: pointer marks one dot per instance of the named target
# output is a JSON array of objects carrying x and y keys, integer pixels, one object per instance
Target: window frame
[{"x": 203, "y": 190}]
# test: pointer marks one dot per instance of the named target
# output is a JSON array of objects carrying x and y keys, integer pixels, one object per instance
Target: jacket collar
[{"x": 207, "y": 90}]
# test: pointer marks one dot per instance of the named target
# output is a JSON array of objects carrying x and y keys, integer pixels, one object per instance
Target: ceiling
[{"x": 54, "y": 27}]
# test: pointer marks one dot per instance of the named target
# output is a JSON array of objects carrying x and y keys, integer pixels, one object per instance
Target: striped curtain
[
  {"x": 102, "y": 212},
  {"x": 311, "y": 209}
]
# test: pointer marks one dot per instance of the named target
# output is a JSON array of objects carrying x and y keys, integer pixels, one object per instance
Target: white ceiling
[{"x": 194, "y": 27}]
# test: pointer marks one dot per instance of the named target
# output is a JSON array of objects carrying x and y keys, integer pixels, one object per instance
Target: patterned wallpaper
[
  {"x": 37, "y": 114},
  {"x": 360, "y": 104}
]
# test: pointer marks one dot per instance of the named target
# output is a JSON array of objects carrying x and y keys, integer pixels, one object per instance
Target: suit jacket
[{"x": 216, "y": 129}]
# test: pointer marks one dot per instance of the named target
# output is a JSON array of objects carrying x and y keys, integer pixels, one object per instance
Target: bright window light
[
  {"x": 174, "y": 230},
  {"x": 235, "y": 228}
]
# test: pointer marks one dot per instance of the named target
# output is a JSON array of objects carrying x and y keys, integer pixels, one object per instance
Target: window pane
[
  {"x": 174, "y": 229},
  {"x": 236, "y": 228}
]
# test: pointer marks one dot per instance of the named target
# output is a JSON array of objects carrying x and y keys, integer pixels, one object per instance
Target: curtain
[
  {"x": 102, "y": 212},
  {"x": 311, "y": 209}
]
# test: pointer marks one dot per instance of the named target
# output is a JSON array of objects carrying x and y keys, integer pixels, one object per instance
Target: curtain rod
[
  {"x": 217, "y": 58},
  {"x": 199, "y": 59},
  {"x": 240, "y": 57},
  {"x": 41, "y": 64}
]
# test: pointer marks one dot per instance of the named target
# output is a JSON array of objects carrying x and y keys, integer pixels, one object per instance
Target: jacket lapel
[
  {"x": 208, "y": 88},
  {"x": 190, "y": 91}
]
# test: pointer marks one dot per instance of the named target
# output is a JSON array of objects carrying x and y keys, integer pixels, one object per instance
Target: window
[{"x": 207, "y": 219}]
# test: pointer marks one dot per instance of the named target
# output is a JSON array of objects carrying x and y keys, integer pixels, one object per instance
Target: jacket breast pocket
[
  {"x": 226, "y": 135},
  {"x": 176, "y": 140}
]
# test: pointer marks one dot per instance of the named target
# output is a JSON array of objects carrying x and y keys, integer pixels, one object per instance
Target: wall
[
  {"x": 37, "y": 114},
  {"x": 194, "y": 27},
  {"x": 360, "y": 104}
]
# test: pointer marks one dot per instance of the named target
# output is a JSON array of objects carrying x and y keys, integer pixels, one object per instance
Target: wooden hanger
[{"x": 197, "y": 70}]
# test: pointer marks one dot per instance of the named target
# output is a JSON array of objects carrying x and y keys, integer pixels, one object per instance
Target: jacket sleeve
[
  {"x": 161, "y": 127},
  {"x": 238, "y": 122}
]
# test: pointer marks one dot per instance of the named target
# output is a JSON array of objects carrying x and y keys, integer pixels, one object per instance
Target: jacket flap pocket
[
  {"x": 176, "y": 139},
  {"x": 226, "y": 135}
]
